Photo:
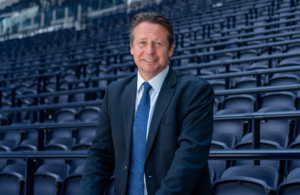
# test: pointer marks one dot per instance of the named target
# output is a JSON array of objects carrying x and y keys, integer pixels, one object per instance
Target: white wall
[{"x": 5, "y": 3}]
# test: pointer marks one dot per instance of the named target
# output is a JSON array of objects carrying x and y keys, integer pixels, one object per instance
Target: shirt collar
[{"x": 156, "y": 82}]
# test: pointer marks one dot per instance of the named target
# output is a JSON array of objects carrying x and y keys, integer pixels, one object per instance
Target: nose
[{"x": 150, "y": 49}]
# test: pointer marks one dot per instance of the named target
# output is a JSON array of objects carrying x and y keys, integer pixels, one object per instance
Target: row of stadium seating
[{"x": 51, "y": 86}]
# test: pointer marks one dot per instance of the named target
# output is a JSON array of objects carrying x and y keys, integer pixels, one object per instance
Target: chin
[{"x": 150, "y": 69}]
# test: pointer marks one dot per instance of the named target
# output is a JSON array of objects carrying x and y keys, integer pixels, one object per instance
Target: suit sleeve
[
  {"x": 194, "y": 142},
  {"x": 100, "y": 158}
]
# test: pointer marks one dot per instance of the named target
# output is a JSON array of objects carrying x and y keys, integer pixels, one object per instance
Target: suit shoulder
[{"x": 121, "y": 83}]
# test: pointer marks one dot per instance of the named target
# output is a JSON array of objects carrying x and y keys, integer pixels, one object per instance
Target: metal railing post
[
  {"x": 79, "y": 12},
  {"x": 66, "y": 15},
  {"x": 258, "y": 95},
  {"x": 53, "y": 16},
  {"x": 227, "y": 80},
  {"x": 29, "y": 175},
  {"x": 42, "y": 20},
  {"x": 256, "y": 137}
]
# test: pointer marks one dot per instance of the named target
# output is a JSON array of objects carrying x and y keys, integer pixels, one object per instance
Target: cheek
[{"x": 137, "y": 53}]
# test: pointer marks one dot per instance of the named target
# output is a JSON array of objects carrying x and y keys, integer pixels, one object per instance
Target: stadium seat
[
  {"x": 269, "y": 140},
  {"x": 65, "y": 114},
  {"x": 62, "y": 98},
  {"x": 289, "y": 62},
  {"x": 86, "y": 132},
  {"x": 11, "y": 183},
  {"x": 216, "y": 105},
  {"x": 247, "y": 180},
  {"x": 283, "y": 79},
  {"x": 50, "y": 177},
  {"x": 27, "y": 144},
  {"x": 88, "y": 113},
  {"x": 72, "y": 182},
  {"x": 246, "y": 82},
  {"x": 17, "y": 168},
  {"x": 211, "y": 174},
  {"x": 218, "y": 166},
  {"x": 276, "y": 125},
  {"x": 225, "y": 140},
  {"x": 84, "y": 144},
  {"x": 79, "y": 97},
  {"x": 245, "y": 102},
  {"x": 5, "y": 146},
  {"x": 62, "y": 132},
  {"x": 283, "y": 99},
  {"x": 58, "y": 144},
  {"x": 234, "y": 127},
  {"x": 290, "y": 165},
  {"x": 3, "y": 116},
  {"x": 280, "y": 138},
  {"x": 13, "y": 135},
  {"x": 64, "y": 143},
  {"x": 217, "y": 86},
  {"x": 291, "y": 186}
]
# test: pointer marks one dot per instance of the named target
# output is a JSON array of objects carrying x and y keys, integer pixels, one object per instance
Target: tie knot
[{"x": 147, "y": 87}]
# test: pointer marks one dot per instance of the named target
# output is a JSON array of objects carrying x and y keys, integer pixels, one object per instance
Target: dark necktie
[{"x": 136, "y": 174}]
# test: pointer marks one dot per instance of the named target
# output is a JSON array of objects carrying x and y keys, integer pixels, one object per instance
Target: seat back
[
  {"x": 75, "y": 163},
  {"x": 291, "y": 165},
  {"x": 282, "y": 99},
  {"x": 65, "y": 115},
  {"x": 18, "y": 168},
  {"x": 275, "y": 125},
  {"x": 239, "y": 101},
  {"x": 62, "y": 170},
  {"x": 291, "y": 185},
  {"x": 248, "y": 145},
  {"x": 264, "y": 173},
  {"x": 89, "y": 113},
  {"x": 11, "y": 184},
  {"x": 226, "y": 138}
]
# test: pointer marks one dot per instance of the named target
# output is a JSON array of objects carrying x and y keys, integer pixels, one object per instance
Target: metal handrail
[
  {"x": 228, "y": 154},
  {"x": 225, "y": 117}
]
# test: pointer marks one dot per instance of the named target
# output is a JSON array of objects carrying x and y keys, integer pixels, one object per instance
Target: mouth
[{"x": 147, "y": 60}]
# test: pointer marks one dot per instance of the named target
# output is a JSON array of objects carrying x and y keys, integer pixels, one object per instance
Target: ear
[
  {"x": 171, "y": 50},
  {"x": 131, "y": 48}
]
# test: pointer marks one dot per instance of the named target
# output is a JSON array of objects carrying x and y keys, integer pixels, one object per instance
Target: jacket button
[
  {"x": 121, "y": 193},
  {"x": 125, "y": 168}
]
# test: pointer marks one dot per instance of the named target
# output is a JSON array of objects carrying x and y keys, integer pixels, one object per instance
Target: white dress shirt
[{"x": 156, "y": 83}]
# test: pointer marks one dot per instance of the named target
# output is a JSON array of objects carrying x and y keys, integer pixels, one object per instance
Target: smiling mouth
[{"x": 146, "y": 60}]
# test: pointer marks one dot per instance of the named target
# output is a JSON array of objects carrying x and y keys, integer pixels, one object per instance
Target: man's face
[{"x": 150, "y": 49}]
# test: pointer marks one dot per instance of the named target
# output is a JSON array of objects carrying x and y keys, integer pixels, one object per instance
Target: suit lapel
[
  {"x": 163, "y": 100},
  {"x": 128, "y": 111}
]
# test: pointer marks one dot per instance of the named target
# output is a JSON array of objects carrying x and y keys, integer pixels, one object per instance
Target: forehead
[{"x": 147, "y": 30}]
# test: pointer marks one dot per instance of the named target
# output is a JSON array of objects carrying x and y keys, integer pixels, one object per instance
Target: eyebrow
[{"x": 146, "y": 38}]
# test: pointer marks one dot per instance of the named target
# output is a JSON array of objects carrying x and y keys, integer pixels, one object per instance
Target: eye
[
  {"x": 142, "y": 43},
  {"x": 158, "y": 43}
]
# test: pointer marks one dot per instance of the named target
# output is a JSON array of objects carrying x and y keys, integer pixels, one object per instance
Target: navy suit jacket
[{"x": 178, "y": 142}]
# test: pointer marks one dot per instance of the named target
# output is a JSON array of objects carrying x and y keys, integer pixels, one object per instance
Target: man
[{"x": 155, "y": 127}]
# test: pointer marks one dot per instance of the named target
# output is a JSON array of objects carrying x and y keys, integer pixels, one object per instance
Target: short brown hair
[{"x": 154, "y": 18}]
